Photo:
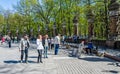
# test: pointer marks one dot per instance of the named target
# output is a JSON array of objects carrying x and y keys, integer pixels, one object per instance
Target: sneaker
[
  {"x": 21, "y": 61},
  {"x": 41, "y": 61},
  {"x": 26, "y": 62}
]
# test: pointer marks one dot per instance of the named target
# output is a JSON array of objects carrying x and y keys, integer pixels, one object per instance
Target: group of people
[
  {"x": 42, "y": 43},
  {"x": 6, "y": 39},
  {"x": 88, "y": 49}
]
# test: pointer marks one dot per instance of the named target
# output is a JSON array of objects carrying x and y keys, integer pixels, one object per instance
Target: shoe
[
  {"x": 41, "y": 61},
  {"x": 26, "y": 62},
  {"x": 21, "y": 61}
]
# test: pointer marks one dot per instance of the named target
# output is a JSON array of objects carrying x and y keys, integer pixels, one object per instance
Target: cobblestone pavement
[{"x": 55, "y": 64}]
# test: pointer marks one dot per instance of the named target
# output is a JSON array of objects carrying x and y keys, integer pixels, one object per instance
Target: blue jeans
[
  {"x": 26, "y": 54},
  {"x": 46, "y": 51},
  {"x": 56, "y": 48}
]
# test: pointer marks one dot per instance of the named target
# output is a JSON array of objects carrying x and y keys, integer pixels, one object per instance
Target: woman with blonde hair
[{"x": 40, "y": 48}]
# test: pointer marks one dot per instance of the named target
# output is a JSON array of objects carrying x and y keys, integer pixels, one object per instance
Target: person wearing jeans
[
  {"x": 40, "y": 48},
  {"x": 57, "y": 43},
  {"x": 23, "y": 48},
  {"x": 46, "y": 46}
]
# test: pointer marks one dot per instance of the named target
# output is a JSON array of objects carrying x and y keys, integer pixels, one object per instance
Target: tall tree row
[{"x": 31, "y": 16}]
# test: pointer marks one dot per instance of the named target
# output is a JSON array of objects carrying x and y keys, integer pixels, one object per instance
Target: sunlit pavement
[{"x": 54, "y": 64}]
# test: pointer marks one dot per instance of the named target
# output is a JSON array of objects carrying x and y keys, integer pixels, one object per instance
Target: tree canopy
[{"x": 34, "y": 15}]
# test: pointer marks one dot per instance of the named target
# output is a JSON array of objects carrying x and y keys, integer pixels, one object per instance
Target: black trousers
[
  {"x": 26, "y": 54},
  {"x": 88, "y": 50},
  {"x": 39, "y": 56},
  {"x": 9, "y": 44}
]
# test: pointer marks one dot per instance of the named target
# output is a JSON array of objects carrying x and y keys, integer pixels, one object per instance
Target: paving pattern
[{"x": 55, "y": 64}]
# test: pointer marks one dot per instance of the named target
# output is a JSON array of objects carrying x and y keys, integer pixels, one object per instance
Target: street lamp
[
  {"x": 90, "y": 18},
  {"x": 38, "y": 28},
  {"x": 54, "y": 27},
  {"x": 64, "y": 27},
  {"x": 24, "y": 30},
  {"x": 2, "y": 29},
  {"x": 75, "y": 21}
]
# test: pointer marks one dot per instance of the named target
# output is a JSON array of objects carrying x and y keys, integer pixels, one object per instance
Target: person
[
  {"x": 63, "y": 39},
  {"x": 89, "y": 48},
  {"x": 40, "y": 48},
  {"x": 46, "y": 46},
  {"x": 57, "y": 43},
  {"x": 13, "y": 39},
  {"x": 52, "y": 43},
  {"x": 75, "y": 38},
  {"x": 3, "y": 40},
  {"x": 9, "y": 41},
  {"x": 23, "y": 48},
  {"x": 49, "y": 43}
]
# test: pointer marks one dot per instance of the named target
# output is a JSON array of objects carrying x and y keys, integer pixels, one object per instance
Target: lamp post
[
  {"x": 54, "y": 28},
  {"x": 24, "y": 30},
  {"x": 46, "y": 29},
  {"x": 2, "y": 29},
  {"x": 75, "y": 21},
  {"x": 38, "y": 29},
  {"x": 64, "y": 27},
  {"x": 90, "y": 18},
  {"x": 31, "y": 32}
]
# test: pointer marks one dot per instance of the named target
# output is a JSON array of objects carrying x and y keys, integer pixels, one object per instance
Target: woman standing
[
  {"x": 39, "y": 48},
  {"x": 46, "y": 46}
]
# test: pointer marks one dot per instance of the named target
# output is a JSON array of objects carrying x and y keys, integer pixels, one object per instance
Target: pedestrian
[
  {"x": 40, "y": 48},
  {"x": 57, "y": 43},
  {"x": 13, "y": 39},
  {"x": 9, "y": 41},
  {"x": 52, "y": 43},
  {"x": 23, "y": 48},
  {"x": 49, "y": 43},
  {"x": 3, "y": 40},
  {"x": 46, "y": 46}
]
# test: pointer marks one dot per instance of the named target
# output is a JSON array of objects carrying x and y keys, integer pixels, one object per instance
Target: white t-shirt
[
  {"x": 39, "y": 44},
  {"x": 57, "y": 40},
  {"x": 46, "y": 42}
]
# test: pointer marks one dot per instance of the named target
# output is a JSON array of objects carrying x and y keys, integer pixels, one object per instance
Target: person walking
[
  {"x": 57, "y": 43},
  {"x": 23, "y": 48},
  {"x": 3, "y": 40},
  {"x": 46, "y": 46},
  {"x": 40, "y": 48},
  {"x": 9, "y": 41}
]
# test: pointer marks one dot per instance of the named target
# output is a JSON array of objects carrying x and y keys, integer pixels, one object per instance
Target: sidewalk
[{"x": 55, "y": 64}]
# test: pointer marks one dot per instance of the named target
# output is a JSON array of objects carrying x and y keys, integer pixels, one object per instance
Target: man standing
[
  {"x": 24, "y": 45},
  {"x": 57, "y": 43}
]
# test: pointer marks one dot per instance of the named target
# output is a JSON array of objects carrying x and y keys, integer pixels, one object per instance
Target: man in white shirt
[{"x": 57, "y": 43}]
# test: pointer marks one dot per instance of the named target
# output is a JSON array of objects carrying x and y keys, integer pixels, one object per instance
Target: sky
[{"x": 7, "y": 4}]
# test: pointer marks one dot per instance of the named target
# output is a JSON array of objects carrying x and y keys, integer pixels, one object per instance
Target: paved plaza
[{"x": 55, "y": 64}]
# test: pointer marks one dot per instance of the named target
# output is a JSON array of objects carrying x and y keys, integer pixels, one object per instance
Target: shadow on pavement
[
  {"x": 96, "y": 59},
  {"x": 33, "y": 57},
  {"x": 111, "y": 71},
  {"x": 15, "y": 62},
  {"x": 11, "y": 61}
]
